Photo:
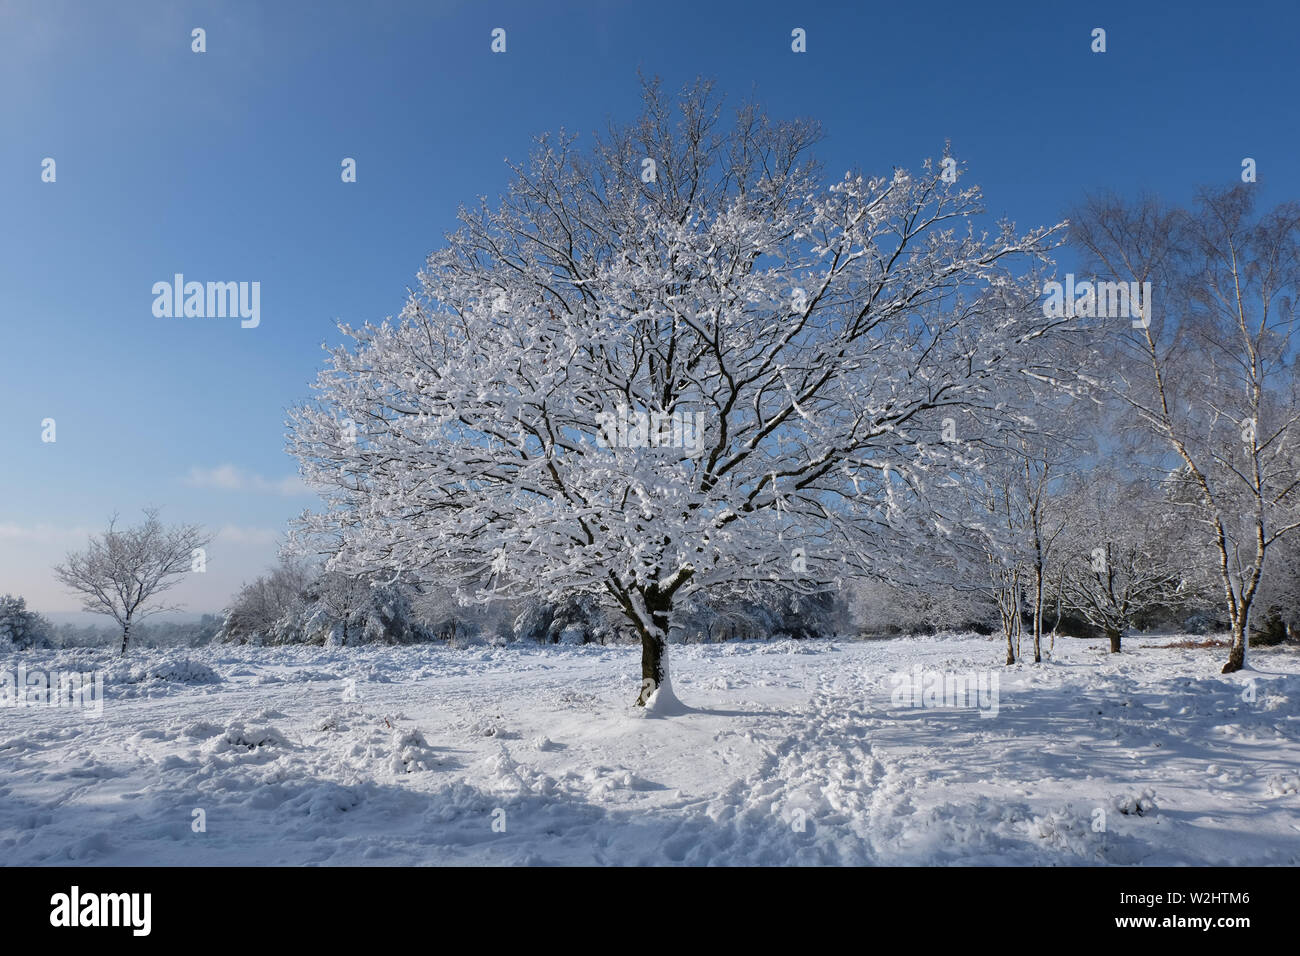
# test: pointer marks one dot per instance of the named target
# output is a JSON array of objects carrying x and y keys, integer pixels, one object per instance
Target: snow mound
[
  {"x": 1141, "y": 805},
  {"x": 295, "y": 677},
  {"x": 237, "y": 736},
  {"x": 664, "y": 703},
  {"x": 485, "y": 727},
  {"x": 332, "y": 722},
  {"x": 1282, "y": 784},
  {"x": 326, "y": 800},
  {"x": 164, "y": 675},
  {"x": 411, "y": 752},
  {"x": 202, "y": 730},
  {"x": 506, "y": 776},
  {"x": 602, "y": 781}
]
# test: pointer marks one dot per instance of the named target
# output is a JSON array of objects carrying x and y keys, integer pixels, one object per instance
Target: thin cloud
[
  {"x": 42, "y": 533},
  {"x": 232, "y": 478},
  {"x": 235, "y": 535}
]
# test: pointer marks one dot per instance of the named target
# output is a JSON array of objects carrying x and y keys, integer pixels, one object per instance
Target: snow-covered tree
[
  {"x": 533, "y": 623},
  {"x": 1279, "y": 592},
  {"x": 903, "y": 607},
  {"x": 296, "y": 603},
  {"x": 997, "y": 511},
  {"x": 679, "y": 363},
  {"x": 764, "y": 611},
  {"x": 1118, "y": 564},
  {"x": 1015, "y": 503},
  {"x": 1043, "y": 458},
  {"x": 442, "y": 615}
]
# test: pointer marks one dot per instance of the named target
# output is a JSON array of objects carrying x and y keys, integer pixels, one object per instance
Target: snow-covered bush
[
  {"x": 761, "y": 612},
  {"x": 259, "y": 607},
  {"x": 290, "y": 605},
  {"x": 174, "y": 668},
  {"x": 1117, "y": 562},
  {"x": 878, "y": 608},
  {"x": 579, "y": 619},
  {"x": 534, "y": 622},
  {"x": 344, "y": 609},
  {"x": 21, "y": 629},
  {"x": 1279, "y": 597}
]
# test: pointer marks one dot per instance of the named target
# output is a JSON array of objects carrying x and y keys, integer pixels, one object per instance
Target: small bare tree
[
  {"x": 122, "y": 572},
  {"x": 1040, "y": 460}
]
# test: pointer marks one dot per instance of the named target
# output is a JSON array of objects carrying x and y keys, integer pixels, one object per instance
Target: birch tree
[{"x": 1210, "y": 370}]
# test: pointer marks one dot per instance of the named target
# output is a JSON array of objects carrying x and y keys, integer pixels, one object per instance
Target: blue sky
[{"x": 225, "y": 166}]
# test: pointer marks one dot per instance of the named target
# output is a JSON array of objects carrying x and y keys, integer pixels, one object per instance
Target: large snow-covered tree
[{"x": 680, "y": 361}]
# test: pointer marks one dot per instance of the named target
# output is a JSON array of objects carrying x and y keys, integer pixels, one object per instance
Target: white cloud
[
  {"x": 254, "y": 536},
  {"x": 43, "y": 534},
  {"x": 232, "y": 478}
]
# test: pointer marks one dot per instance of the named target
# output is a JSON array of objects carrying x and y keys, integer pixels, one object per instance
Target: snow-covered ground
[{"x": 795, "y": 752}]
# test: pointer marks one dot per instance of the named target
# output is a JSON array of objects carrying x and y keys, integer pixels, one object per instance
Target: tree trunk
[
  {"x": 1038, "y": 614},
  {"x": 1237, "y": 655},
  {"x": 126, "y": 633},
  {"x": 1008, "y": 624},
  {"x": 652, "y": 666},
  {"x": 1056, "y": 622},
  {"x": 1114, "y": 640},
  {"x": 654, "y": 643},
  {"x": 1020, "y": 621}
]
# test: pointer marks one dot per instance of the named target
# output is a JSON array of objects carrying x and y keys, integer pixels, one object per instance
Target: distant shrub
[{"x": 21, "y": 629}]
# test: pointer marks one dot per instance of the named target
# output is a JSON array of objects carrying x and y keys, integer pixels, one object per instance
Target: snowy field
[{"x": 793, "y": 753}]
